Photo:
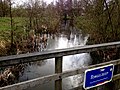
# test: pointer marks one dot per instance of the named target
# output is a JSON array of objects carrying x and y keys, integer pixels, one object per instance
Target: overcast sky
[{"x": 21, "y": 1}]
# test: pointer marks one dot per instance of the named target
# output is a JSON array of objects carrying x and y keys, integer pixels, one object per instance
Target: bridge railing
[{"x": 58, "y": 55}]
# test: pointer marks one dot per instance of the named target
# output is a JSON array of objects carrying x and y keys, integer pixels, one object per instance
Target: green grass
[
  {"x": 5, "y": 22},
  {"x": 5, "y": 27}
]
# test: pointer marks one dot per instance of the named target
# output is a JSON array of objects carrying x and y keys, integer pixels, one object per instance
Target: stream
[{"x": 38, "y": 69}]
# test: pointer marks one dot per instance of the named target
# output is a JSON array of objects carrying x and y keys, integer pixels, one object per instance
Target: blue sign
[{"x": 98, "y": 76}]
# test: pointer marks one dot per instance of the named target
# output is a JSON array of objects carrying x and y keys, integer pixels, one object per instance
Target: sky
[
  {"x": 21, "y": 1},
  {"x": 48, "y": 1}
]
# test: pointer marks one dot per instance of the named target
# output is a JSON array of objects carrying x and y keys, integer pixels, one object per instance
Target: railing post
[{"x": 58, "y": 69}]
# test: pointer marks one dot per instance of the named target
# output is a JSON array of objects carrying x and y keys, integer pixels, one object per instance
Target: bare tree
[
  {"x": 11, "y": 20},
  {"x": 4, "y": 8}
]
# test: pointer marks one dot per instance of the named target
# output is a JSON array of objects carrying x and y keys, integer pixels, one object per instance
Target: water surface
[{"x": 47, "y": 67}]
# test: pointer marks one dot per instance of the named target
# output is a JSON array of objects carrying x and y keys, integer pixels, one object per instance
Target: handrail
[
  {"x": 37, "y": 56},
  {"x": 48, "y": 78},
  {"x": 58, "y": 55}
]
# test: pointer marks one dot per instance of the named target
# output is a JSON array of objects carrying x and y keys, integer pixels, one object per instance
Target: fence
[{"x": 58, "y": 55}]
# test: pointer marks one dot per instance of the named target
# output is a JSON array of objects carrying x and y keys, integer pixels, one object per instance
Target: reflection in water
[{"x": 69, "y": 62}]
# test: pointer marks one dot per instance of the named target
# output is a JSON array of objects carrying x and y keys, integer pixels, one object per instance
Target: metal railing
[{"x": 58, "y": 55}]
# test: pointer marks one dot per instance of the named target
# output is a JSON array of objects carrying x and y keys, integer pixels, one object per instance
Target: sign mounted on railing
[{"x": 98, "y": 76}]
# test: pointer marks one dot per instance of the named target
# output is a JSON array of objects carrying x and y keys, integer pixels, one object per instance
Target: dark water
[{"x": 39, "y": 69}]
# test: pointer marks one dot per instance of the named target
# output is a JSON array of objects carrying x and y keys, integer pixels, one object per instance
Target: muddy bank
[{"x": 10, "y": 75}]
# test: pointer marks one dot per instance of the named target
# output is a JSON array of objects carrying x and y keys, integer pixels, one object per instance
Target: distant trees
[
  {"x": 39, "y": 13},
  {"x": 94, "y": 16},
  {"x": 4, "y": 8},
  {"x": 106, "y": 14},
  {"x": 100, "y": 18}
]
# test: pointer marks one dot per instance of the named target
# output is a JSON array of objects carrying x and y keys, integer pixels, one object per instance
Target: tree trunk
[{"x": 11, "y": 23}]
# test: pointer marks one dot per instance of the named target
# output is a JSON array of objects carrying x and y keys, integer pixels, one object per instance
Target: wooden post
[{"x": 58, "y": 69}]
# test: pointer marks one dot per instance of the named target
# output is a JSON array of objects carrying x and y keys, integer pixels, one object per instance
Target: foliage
[
  {"x": 101, "y": 20},
  {"x": 4, "y": 8}
]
